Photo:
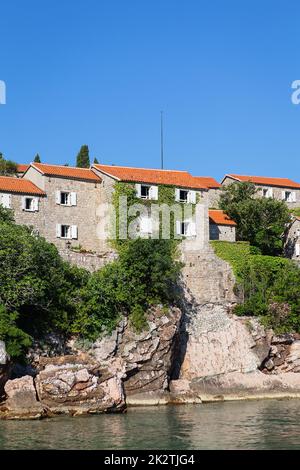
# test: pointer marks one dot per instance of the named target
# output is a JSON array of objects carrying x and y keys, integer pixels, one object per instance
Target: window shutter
[
  {"x": 73, "y": 199},
  {"x": 5, "y": 200},
  {"x": 294, "y": 196},
  {"x": 74, "y": 231},
  {"x": 138, "y": 190},
  {"x": 283, "y": 195},
  {"x": 58, "y": 230},
  {"x": 178, "y": 227},
  {"x": 297, "y": 249},
  {"x": 270, "y": 192},
  {"x": 192, "y": 197},
  {"x": 57, "y": 197},
  {"x": 36, "y": 204},
  {"x": 177, "y": 194},
  {"x": 154, "y": 192},
  {"x": 23, "y": 203}
]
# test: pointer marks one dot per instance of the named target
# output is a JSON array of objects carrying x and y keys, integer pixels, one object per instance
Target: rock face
[
  {"x": 4, "y": 367},
  {"x": 21, "y": 401},
  {"x": 146, "y": 357},
  {"x": 77, "y": 385}
]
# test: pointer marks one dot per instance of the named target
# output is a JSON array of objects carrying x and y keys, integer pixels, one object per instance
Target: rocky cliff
[{"x": 200, "y": 352}]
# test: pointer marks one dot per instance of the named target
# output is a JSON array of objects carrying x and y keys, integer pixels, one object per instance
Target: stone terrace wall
[{"x": 90, "y": 261}]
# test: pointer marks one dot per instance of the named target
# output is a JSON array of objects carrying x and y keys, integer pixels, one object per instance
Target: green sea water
[{"x": 264, "y": 424}]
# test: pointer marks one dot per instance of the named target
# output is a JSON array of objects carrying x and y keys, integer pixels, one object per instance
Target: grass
[{"x": 234, "y": 253}]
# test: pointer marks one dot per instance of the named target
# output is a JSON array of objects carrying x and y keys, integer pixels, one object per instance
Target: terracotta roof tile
[
  {"x": 220, "y": 218},
  {"x": 21, "y": 168},
  {"x": 268, "y": 181},
  {"x": 152, "y": 176},
  {"x": 19, "y": 185},
  {"x": 66, "y": 172},
  {"x": 208, "y": 181}
]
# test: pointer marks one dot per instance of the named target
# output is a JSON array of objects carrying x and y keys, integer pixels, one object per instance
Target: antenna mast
[{"x": 161, "y": 140}]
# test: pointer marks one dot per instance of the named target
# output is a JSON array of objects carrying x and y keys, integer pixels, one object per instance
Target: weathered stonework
[{"x": 222, "y": 232}]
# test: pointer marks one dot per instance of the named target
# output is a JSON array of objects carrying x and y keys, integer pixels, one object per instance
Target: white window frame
[
  {"x": 291, "y": 197},
  {"x": 72, "y": 231},
  {"x": 34, "y": 206},
  {"x": 189, "y": 225},
  {"x": 72, "y": 199},
  {"x": 268, "y": 192},
  {"x": 191, "y": 196},
  {"x": 152, "y": 191}
]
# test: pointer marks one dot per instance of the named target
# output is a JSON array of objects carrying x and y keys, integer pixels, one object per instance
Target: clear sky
[{"x": 98, "y": 72}]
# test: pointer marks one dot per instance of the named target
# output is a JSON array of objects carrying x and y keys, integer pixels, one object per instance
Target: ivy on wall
[{"x": 166, "y": 195}]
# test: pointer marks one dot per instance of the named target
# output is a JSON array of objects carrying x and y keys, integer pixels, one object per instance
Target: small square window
[
  {"x": 145, "y": 191},
  {"x": 65, "y": 198},
  {"x": 65, "y": 231},
  {"x": 183, "y": 195},
  {"x": 183, "y": 228},
  {"x": 28, "y": 204}
]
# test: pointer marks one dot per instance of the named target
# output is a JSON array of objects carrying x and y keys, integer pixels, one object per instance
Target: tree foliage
[
  {"x": 261, "y": 221},
  {"x": 37, "y": 159},
  {"x": 83, "y": 157},
  {"x": 7, "y": 167}
]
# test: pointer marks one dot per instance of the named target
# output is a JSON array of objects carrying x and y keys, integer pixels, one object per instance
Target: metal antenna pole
[{"x": 161, "y": 140}]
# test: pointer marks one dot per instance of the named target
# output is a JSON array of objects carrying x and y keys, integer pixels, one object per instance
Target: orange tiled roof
[
  {"x": 19, "y": 185},
  {"x": 220, "y": 218},
  {"x": 66, "y": 172},
  {"x": 152, "y": 176},
  {"x": 282, "y": 182},
  {"x": 21, "y": 168},
  {"x": 208, "y": 181}
]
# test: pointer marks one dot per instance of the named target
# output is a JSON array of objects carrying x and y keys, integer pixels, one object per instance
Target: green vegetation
[
  {"x": 295, "y": 212},
  {"x": 268, "y": 286},
  {"x": 7, "y": 167},
  {"x": 41, "y": 293},
  {"x": 96, "y": 161},
  {"x": 83, "y": 157},
  {"x": 37, "y": 159},
  {"x": 261, "y": 221}
]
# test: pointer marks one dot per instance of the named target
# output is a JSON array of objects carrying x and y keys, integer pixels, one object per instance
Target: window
[
  {"x": 30, "y": 204},
  {"x": 145, "y": 191},
  {"x": 289, "y": 196},
  {"x": 186, "y": 228},
  {"x": 267, "y": 192},
  {"x": 65, "y": 199},
  {"x": 183, "y": 195},
  {"x": 66, "y": 231}
]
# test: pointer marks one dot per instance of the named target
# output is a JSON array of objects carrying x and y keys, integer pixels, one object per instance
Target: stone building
[
  {"x": 24, "y": 198},
  {"x": 292, "y": 241},
  {"x": 214, "y": 189},
  {"x": 70, "y": 213},
  {"x": 282, "y": 189},
  {"x": 148, "y": 182},
  {"x": 221, "y": 227}
]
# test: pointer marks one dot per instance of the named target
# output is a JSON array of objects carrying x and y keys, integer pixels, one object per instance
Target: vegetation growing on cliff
[
  {"x": 261, "y": 221},
  {"x": 41, "y": 293},
  {"x": 268, "y": 286},
  {"x": 7, "y": 167}
]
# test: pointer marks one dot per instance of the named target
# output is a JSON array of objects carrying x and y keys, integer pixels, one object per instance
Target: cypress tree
[
  {"x": 83, "y": 157},
  {"x": 96, "y": 161},
  {"x": 37, "y": 159}
]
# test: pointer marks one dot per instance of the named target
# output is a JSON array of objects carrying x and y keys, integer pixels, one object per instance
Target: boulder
[
  {"x": 78, "y": 385},
  {"x": 21, "y": 400}
]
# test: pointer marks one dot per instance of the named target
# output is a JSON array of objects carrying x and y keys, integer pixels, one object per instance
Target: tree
[
  {"x": 7, "y": 167},
  {"x": 261, "y": 221},
  {"x": 37, "y": 158},
  {"x": 83, "y": 158},
  {"x": 96, "y": 161}
]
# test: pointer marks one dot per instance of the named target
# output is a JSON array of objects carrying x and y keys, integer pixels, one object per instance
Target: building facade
[
  {"x": 221, "y": 227},
  {"x": 292, "y": 241},
  {"x": 282, "y": 189}
]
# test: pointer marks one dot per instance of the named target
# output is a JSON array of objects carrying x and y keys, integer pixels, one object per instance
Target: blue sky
[{"x": 98, "y": 72}]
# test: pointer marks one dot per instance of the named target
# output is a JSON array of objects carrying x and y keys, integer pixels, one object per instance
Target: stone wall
[
  {"x": 90, "y": 261},
  {"x": 213, "y": 197},
  {"x": 222, "y": 232},
  {"x": 292, "y": 240}
]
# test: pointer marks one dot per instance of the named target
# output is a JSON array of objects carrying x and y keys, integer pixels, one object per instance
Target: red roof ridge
[
  {"x": 137, "y": 168},
  {"x": 59, "y": 166},
  {"x": 65, "y": 171},
  {"x": 220, "y": 217},
  {"x": 19, "y": 185}
]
